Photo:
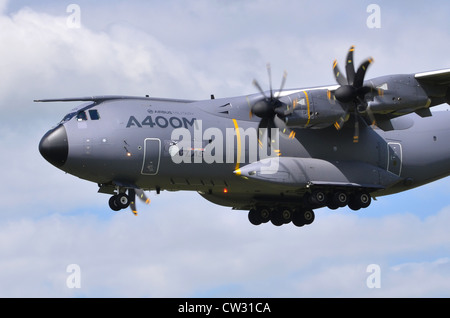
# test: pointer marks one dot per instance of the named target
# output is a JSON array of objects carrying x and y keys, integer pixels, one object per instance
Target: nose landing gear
[
  {"x": 119, "y": 202},
  {"x": 122, "y": 200}
]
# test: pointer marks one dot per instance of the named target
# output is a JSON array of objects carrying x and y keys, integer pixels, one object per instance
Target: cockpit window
[
  {"x": 94, "y": 114},
  {"x": 67, "y": 118},
  {"x": 81, "y": 116}
]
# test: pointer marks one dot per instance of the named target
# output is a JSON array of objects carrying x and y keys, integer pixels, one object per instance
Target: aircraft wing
[
  {"x": 436, "y": 84},
  {"x": 440, "y": 77},
  {"x": 100, "y": 99}
]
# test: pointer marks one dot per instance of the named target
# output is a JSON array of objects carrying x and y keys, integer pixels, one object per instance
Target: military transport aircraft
[{"x": 279, "y": 154}]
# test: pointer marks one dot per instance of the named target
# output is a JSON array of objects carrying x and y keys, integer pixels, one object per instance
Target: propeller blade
[
  {"x": 349, "y": 68},
  {"x": 141, "y": 195},
  {"x": 262, "y": 130},
  {"x": 265, "y": 129},
  {"x": 339, "y": 123},
  {"x": 352, "y": 93},
  {"x": 132, "y": 195},
  {"x": 283, "y": 81},
  {"x": 250, "y": 114},
  {"x": 256, "y": 84},
  {"x": 340, "y": 78},
  {"x": 369, "y": 112},
  {"x": 361, "y": 73},
  {"x": 270, "y": 125},
  {"x": 268, "y": 108},
  {"x": 356, "y": 133},
  {"x": 364, "y": 108},
  {"x": 269, "y": 72},
  {"x": 281, "y": 124}
]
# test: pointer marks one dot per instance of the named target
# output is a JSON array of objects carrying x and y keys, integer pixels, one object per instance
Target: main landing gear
[
  {"x": 280, "y": 216},
  {"x": 304, "y": 214}
]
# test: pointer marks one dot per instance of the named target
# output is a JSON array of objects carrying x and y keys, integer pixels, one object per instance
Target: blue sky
[{"x": 181, "y": 245}]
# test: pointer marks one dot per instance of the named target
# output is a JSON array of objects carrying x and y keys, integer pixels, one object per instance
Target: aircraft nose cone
[{"x": 54, "y": 146}]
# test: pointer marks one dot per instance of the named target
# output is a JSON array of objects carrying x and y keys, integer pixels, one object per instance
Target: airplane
[{"x": 278, "y": 154}]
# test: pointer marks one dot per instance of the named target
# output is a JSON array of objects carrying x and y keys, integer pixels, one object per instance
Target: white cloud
[
  {"x": 182, "y": 245},
  {"x": 218, "y": 251},
  {"x": 423, "y": 278},
  {"x": 3, "y": 5}
]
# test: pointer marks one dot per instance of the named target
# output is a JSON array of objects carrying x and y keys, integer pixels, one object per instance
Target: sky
[{"x": 182, "y": 245}]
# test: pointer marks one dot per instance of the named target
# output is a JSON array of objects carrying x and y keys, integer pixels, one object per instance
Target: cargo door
[{"x": 394, "y": 158}]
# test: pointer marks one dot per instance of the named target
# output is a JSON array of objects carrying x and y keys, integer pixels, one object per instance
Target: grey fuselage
[{"x": 128, "y": 142}]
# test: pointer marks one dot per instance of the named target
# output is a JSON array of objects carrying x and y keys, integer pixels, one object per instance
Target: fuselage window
[{"x": 94, "y": 114}]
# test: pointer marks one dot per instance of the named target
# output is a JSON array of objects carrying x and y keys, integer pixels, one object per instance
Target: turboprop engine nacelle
[{"x": 313, "y": 109}]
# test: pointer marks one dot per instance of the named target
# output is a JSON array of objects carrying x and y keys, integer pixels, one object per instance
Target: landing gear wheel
[
  {"x": 286, "y": 215},
  {"x": 113, "y": 205},
  {"x": 122, "y": 200},
  {"x": 276, "y": 217},
  {"x": 258, "y": 216},
  {"x": 303, "y": 217},
  {"x": 298, "y": 219},
  {"x": 264, "y": 213},
  {"x": 280, "y": 216},
  {"x": 365, "y": 200},
  {"x": 309, "y": 217},
  {"x": 360, "y": 200},
  {"x": 331, "y": 205},
  {"x": 340, "y": 199},
  {"x": 318, "y": 198},
  {"x": 119, "y": 201},
  {"x": 254, "y": 217}
]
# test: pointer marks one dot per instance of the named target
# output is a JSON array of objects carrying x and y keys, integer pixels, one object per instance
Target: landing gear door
[
  {"x": 394, "y": 158},
  {"x": 152, "y": 154}
]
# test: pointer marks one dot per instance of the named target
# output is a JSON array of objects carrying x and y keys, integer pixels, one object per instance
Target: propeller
[
  {"x": 270, "y": 108},
  {"x": 352, "y": 92},
  {"x": 141, "y": 195}
]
